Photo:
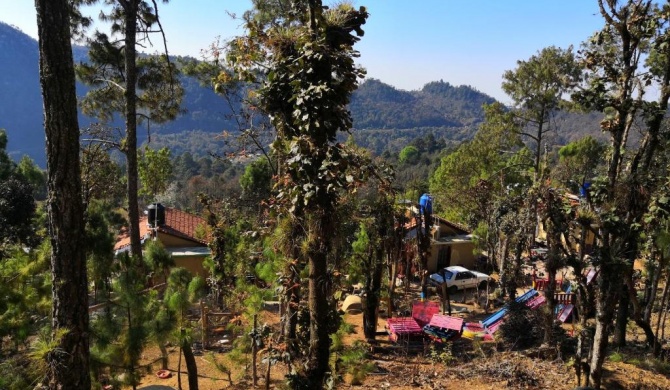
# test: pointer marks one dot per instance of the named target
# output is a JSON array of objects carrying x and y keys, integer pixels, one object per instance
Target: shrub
[{"x": 523, "y": 328}]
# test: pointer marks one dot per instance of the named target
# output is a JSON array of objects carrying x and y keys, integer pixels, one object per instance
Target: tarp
[
  {"x": 352, "y": 304},
  {"x": 423, "y": 312}
]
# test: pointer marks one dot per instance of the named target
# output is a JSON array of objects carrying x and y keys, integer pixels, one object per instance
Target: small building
[
  {"x": 450, "y": 244},
  {"x": 181, "y": 233}
]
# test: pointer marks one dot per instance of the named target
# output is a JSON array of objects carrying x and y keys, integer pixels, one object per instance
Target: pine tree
[{"x": 69, "y": 362}]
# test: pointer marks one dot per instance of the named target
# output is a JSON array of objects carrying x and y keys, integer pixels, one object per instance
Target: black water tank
[{"x": 156, "y": 213}]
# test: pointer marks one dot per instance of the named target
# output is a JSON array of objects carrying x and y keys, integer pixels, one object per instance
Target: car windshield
[{"x": 448, "y": 274}]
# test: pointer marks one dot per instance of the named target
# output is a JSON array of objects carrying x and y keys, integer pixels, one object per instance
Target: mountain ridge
[{"x": 450, "y": 112}]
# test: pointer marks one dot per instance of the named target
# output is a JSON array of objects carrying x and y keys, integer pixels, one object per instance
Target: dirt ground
[
  {"x": 403, "y": 371},
  {"x": 476, "y": 367}
]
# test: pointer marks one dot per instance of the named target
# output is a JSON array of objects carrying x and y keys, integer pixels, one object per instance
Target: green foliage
[
  {"x": 442, "y": 354},
  {"x": 17, "y": 209},
  {"x": 102, "y": 178},
  {"x": 361, "y": 248},
  {"x": 157, "y": 257},
  {"x": 537, "y": 87},
  {"x": 33, "y": 175},
  {"x": 17, "y": 374},
  {"x": 159, "y": 91},
  {"x": 650, "y": 364},
  {"x": 256, "y": 182},
  {"x": 25, "y": 286},
  {"x": 409, "y": 155},
  {"x": 467, "y": 180},
  {"x": 580, "y": 161},
  {"x": 124, "y": 327},
  {"x": 6, "y": 164},
  {"x": 155, "y": 170},
  {"x": 616, "y": 357},
  {"x": 17, "y": 203},
  {"x": 229, "y": 244},
  {"x": 538, "y": 84},
  {"x": 99, "y": 248},
  {"x": 337, "y": 338},
  {"x": 45, "y": 344},
  {"x": 353, "y": 362}
]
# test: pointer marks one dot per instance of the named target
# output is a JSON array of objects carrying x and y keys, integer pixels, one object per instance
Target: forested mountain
[
  {"x": 439, "y": 104},
  {"x": 21, "y": 100},
  {"x": 385, "y": 118}
]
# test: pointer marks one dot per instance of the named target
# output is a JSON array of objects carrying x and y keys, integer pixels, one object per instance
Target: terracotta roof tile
[{"x": 177, "y": 223}]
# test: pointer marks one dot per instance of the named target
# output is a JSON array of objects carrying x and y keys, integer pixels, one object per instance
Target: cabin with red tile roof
[{"x": 181, "y": 233}]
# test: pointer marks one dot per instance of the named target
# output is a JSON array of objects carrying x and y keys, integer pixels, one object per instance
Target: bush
[
  {"x": 523, "y": 328},
  {"x": 353, "y": 362}
]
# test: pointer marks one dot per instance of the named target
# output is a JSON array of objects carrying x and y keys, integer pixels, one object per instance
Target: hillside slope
[{"x": 385, "y": 118}]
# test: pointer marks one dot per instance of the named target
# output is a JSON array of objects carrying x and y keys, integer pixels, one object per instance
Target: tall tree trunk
[
  {"x": 423, "y": 247},
  {"x": 179, "y": 369},
  {"x": 373, "y": 288},
  {"x": 319, "y": 339},
  {"x": 582, "y": 306},
  {"x": 609, "y": 284},
  {"x": 293, "y": 294},
  {"x": 631, "y": 292},
  {"x": 191, "y": 366},
  {"x": 654, "y": 286},
  {"x": 551, "y": 300},
  {"x": 664, "y": 303},
  {"x": 70, "y": 368},
  {"x": 621, "y": 324},
  {"x": 538, "y": 149},
  {"x": 130, "y": 7},
  {"x": 254, "y": 353},
  {"x": 164, "y": 355},
  {"x": 503, "y": 267}
]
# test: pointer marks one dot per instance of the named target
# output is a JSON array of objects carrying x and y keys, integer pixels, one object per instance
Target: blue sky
[{"x": 406, "y": 43}]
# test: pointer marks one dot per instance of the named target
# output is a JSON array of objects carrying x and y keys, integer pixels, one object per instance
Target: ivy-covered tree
[
  {"x": 311, "y": 75},
  {"x": 622, "y": 60}
]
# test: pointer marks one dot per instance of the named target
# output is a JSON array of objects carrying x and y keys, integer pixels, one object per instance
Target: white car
[{"x": 459, "y": 278}]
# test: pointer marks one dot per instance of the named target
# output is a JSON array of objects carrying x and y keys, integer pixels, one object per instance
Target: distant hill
[
  {"x": 388, "y": 118},
  {"x": 384, "y": 117},
  {"x": 376, "y": 105},
  {"x": 21, "y": 100},
  {"x": 20, "y": 97}
]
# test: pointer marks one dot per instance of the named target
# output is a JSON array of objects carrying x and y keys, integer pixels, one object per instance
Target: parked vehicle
[{"x": 460, "y": 278}]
